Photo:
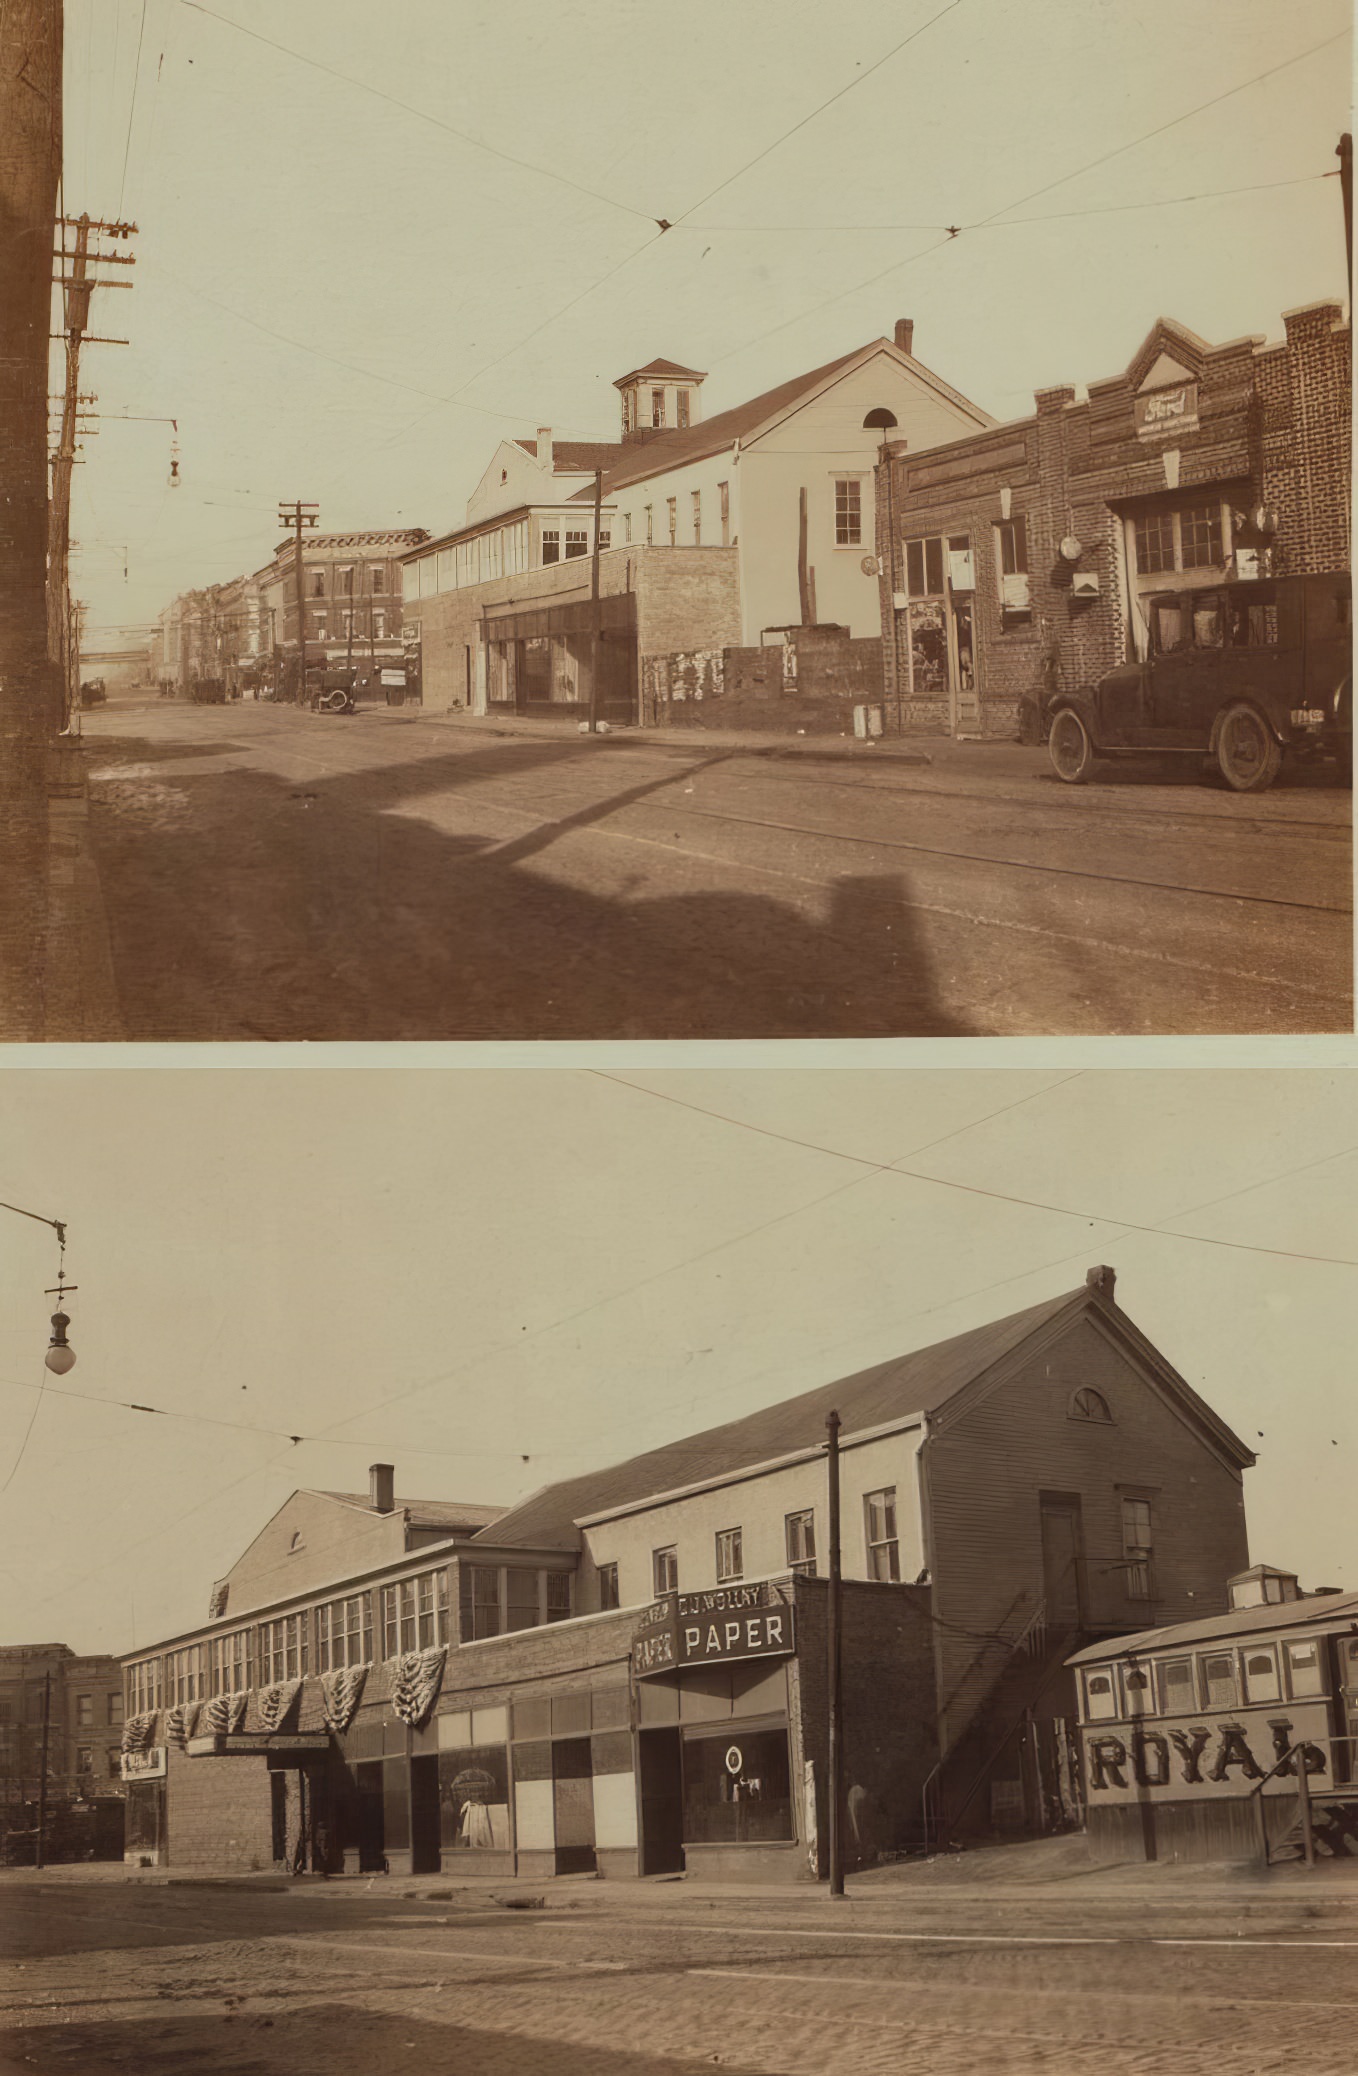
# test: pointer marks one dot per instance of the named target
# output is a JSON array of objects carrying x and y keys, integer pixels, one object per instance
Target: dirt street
[
  {"x": 274, "y": 874},
  {"x": 345, "y": 1979}
]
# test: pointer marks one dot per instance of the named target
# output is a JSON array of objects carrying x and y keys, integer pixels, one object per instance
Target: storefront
[{"x": 539, "y": 661}]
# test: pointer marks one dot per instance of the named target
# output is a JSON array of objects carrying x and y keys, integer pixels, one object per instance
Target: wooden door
[
  {"x": 1063, "y": 1562},
  {"x": 662, "y": 1801}
]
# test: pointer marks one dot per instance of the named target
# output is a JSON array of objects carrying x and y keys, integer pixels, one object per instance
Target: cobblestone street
[{"x": 274, "y": 874}]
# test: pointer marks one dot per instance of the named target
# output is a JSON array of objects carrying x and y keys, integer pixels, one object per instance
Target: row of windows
[
  {"x": 373, "y": 622},
  {"x": 632, "y": 408},
  {"x": 85, "y": 1709},
  {"x": 505, "y": 551},
  {"x": 881, "y": 1550},
  {"x": 1225, "y": 1678},
  {"x": 344, "y": 585},
  {"x": 412, "y": 1615},
  {"x": 695, "y": 520}
]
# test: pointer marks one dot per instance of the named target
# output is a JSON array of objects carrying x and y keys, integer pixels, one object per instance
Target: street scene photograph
[
  {"x": 615, "y": 1573},
  {"x": 585, "y": 524}
]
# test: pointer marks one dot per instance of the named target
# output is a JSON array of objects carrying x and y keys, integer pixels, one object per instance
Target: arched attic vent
[{"x": 880, "y": 420}]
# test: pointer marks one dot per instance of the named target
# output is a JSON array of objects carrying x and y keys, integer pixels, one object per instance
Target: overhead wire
[{"x": 131, "y": 113}]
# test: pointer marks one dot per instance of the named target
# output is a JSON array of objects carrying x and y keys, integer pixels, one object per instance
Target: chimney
[
  {"x": 905, "y": 334},
  {"x": 545, "y": 446},
  {"x": 382, "y": 1488},
  {"x": 1101, "y": 1282}
]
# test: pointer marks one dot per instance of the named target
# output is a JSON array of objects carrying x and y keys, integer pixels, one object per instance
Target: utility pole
[
  {"x": 835, "y": 1670},
  {"x": 596, "y": 609},
  {"x": 77, "y": 285},
  {"x": 1343, "y": 151},
  {"x": 42, "y": 1768},
  {"x": 298, "y": 517},
  {"x": 30, "y": 164}
]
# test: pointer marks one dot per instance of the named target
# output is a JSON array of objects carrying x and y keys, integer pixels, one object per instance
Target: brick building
[
  {"x": 83, "y": 1697},
  {"x": 1022, "y": 556},
  {"x": 626, "y": 1671}
]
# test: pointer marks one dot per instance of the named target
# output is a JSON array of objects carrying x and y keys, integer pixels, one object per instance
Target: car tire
[
  {"x": 1249, "y": 756},
  {"x": 1070, "y": 748}
]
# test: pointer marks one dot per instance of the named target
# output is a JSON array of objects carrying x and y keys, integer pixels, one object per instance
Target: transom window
[
  {"x": 800, "y": 1530},
  {"x": 283, "y": 1650},
  {"x": 730, "y": 1562},
  {"x": 924, "y": 567},
  {"x": 344, "y": 1633},
  {"x": 665, "y": 1570},
  {"x": 884, "y": 1550},
  {"x": 848, "y": 512},
  {"x": 1189, "y": 537},
  {"x": 415, "y": 1613}
]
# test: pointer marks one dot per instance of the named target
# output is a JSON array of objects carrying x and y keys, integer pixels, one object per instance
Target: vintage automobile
[{"x": 1246, "y": 673}]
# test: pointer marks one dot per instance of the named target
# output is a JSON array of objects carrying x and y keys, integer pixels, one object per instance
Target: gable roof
[
  {"x": 662, "y": 367},
  {"x": 671, "y": 449},
  {"x": 570, "y": 456},
  {"x": 454, "y": 1515},
  {"x": 917, "y": 1383}
]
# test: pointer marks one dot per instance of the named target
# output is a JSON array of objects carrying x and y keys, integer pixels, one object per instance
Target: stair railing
[{"x": 1296, "y": 1752}]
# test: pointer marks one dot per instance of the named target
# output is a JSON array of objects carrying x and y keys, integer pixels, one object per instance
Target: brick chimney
[
  {"x": 545, "y": 446},
  {"x": 1101, "y": 1282},
  {"x": 905, "y": 334},
  {"x": 382, "y": 1488}
]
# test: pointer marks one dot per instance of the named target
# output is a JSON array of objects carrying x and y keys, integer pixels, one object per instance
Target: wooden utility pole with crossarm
[{"x": 297, "y": 518}]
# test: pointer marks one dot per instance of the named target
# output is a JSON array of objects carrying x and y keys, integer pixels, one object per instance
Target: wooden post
[
  {"x": 805, "y": 606},
  {"x": 596, "y": 609},
  {"x": 835, "y": 1656},
  {"x": 42, "y": 1770},
  {"x": 1308, "y": 1834}
]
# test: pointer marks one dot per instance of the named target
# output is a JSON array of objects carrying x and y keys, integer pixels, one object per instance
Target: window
[
  {"x": 377, "y": 578},
  {"x": 559, "y": 1594},
  {"x": 344, "y": 1633},
  {"x": 665, "y": 1571},
  {"x": 521, "y": 1599},
  {"x": 379, "y": 625},
  {"x": 143, "y": 1687},
  {"x": 84, "y": 1758},
  {"x": 318, "y": 626},
  {"x": 1219, "y": 1681},
  {"x": 577, "y": 542},
  {"x": 1262, "y": 1680},
  {"x": 737, "y": 1787},
  {"x": 672, "y": 510},
  {"x": 1303, "y": 1670},
  {"x": 650, "y": 525},
  {"x": 1101, "y": 1703},
  {"x": 608, "y": 1586},
  {"x": 1136, "y": 1687},
  {"x": 1011, "y": 563},
  {"x": 186, "y": 1675},
  {"x": 415, "y": 1613},
  {"x": 924, "y": 568},
  {"x": 348, "y": 626},
  {"x": 697, "y": 518},
  {"x": 730, "y": 1563},
  {"x": 551, "y": 544},
  {"x": 627, "y": 528},
  {"x": 480, "y": 1601},
  {"x": 346, "y": 580},
  {"x": 229, "y": 1667},
  {"x": 1088, "y": 1404},
  {"x": 283, "y": 1653},
  {"x": 1136, "y": 1548},
  {"x": 318, "y": 583},
  {"x": 681, "y": 407},
  {"x": 84, "y": 1711},
  {"x": 657, "y": 407},
  {"x": 848, "y": 512},
  {"x": 1209, "y": 621},
  {"x": 1192, "y": 537},
  {"x": 492, "y": 555},
  {"x": 1200, "y": 536},
  {"x": 606, "y": 539},
  {"x": 724, "y": 506},
  {"x": 800, "y": 1533},
  {"x": 1178, "y": 1695},
  {"x": 1155, "y": 543},
  {"x": 884, "y": 1551},
  {"x": 113, "y": 1705}
]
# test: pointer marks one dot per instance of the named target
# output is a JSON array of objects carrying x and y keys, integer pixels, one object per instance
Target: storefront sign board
[
  {"x": 721, "y": 1624},
  {"x": 1162, "y": 412},
  {"x": 149, "y": 1765}
]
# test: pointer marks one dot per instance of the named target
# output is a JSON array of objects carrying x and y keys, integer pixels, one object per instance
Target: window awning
[{"x": 617, "y": 615}]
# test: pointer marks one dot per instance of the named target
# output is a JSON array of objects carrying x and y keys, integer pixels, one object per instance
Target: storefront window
[
  {"x": 474, "y": 1798},
  {"x": 736, "y": 1787}
]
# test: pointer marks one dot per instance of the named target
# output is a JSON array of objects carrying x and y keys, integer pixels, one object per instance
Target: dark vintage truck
[{"x": 1245, "y": 673}]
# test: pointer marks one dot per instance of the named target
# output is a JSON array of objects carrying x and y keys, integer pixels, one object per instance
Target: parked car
[
  {"x": 1246, "y": 673},
  {"x": 93, "y": 692},
  {"x": 209, "y": 692}
]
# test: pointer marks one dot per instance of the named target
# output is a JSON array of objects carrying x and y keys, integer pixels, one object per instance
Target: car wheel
[
  {"x": 1069, "y": 747},
  {"x": 1248, "y": 754}
]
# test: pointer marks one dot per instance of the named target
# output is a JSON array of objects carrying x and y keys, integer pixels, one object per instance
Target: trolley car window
[
  {"x": 1219, "y": 1679},
  {"x": 1177, "y": 1692},
  {"x": 1136, "y": 1684},
  {"x": 1261, "y": 1674},
  {"x": 1303, "y": 1670},
  {"x": 1100, "y": 1699}
]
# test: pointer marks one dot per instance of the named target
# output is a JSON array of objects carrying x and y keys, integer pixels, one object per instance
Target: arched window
[
  {"x": 1088, "y": 1404},
  {"x": 880, "y": 420}
]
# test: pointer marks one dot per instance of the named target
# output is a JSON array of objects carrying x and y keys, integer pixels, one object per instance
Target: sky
[
  {"x": 374, "y": 241},
  {"x": 493, "y": 1279}
]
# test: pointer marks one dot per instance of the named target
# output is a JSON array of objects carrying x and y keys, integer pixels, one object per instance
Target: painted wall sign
[
  {"x": 1186, "y": 1760},
  {"x": 148, "y": 1765},
  {"x": 726, "y": 1622},
  {"x": 1160, "y": 413}
]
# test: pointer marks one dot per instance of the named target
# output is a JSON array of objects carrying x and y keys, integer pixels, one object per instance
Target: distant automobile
[
  {"x": 1250, "y": 674},
  {"x": 209, "y": 692},
  {"x": 93, "y": 692}
]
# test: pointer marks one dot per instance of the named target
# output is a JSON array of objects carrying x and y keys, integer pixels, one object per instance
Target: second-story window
[
  {"x": 665, "y": 1570},
  {"x": 801, "y": 1542},
  {"x": 848, "y": 512},
  {"x": 724, "y": 504},
  {"x": 84, "y": 1711},
  {"x": 672, "y": 507},
  {"x": 884, "y": 1550},
  {"x": 650, "y": 525},
  {"x": 344, "y": 1633},
  {"x": 186, "y": 1675},
  {"x": 415, "y": 1613},
  {"x": 577, "y": 542},
  {"x": 229, "y": 1662},
  {"x": 283, "y": 1652},
  {"x": 143, "y": 1687},
  {"x": 377, "y": 577},
  {"x": 318, "y": 583},
  {"x": 551, "y": 544},
  {"x": 1137, "y": 1538},
  {"x": 730, "y": 1562},
  {"x": 608, "y": 1586},
  {"x": 697, "y": 518},
  {"x": 558, "y": 1594},
  {"x": 480, "y": 1591}
]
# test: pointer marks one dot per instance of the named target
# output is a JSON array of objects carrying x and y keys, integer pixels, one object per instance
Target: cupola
[{"x": 661, "y": 397}]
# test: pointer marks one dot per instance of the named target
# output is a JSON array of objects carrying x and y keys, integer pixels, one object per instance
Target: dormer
[{"x": 661, "y": 397}]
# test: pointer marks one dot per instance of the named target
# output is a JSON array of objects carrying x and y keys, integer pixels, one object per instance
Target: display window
[
  {"x": 474, "y": 1798},
  {"x": 737, "y": 1787}
]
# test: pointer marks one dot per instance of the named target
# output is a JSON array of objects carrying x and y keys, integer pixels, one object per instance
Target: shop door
[
  {"x": 1062, "y": 1561},
  {"x": 573, "y": 1805},
  {"x": 372, "y": 1843},
  {"x": 966, "y": 697},
  {"x": 533, "y": 680},
  {"x": 424, "y": 1814},
  {"x": 662, "y": 1802}
]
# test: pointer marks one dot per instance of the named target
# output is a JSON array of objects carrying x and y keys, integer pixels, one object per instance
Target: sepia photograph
[
  {"x": 617, "y": 1573},
  {"x": 775, "y": 522}
]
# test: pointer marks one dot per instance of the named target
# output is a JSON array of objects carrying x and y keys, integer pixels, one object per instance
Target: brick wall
[
  {"x": 888, "y": 1686},
  {"x": 218, "y": 1813},
  {"x": 749, "y": 687}
]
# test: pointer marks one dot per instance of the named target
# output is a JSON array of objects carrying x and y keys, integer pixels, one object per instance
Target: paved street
[
  {"x": 1073, "y": 1979},
  {"x": 274, "y": 874}
]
